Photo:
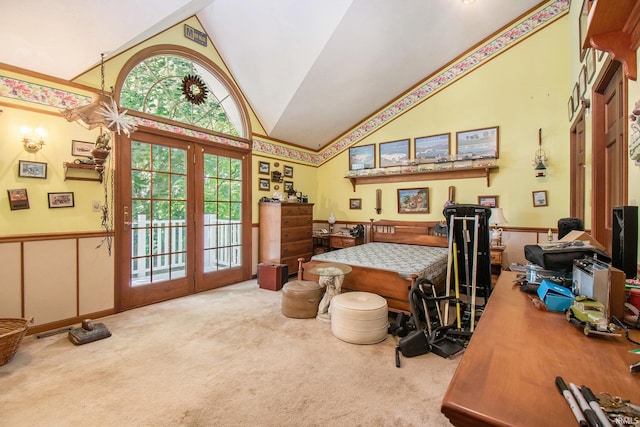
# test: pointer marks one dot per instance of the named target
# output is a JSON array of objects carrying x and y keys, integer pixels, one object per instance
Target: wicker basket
[{"x": 11, "y": 333}]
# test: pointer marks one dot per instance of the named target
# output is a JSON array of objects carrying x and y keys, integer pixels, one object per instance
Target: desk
[{"x": 506, "y": 375}]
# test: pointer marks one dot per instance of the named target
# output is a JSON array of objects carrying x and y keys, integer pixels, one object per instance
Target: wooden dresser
[{"x": 286, "y": 233}]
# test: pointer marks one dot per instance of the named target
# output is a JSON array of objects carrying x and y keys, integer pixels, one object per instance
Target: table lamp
[
  {"x": 497, "y": 217},
  {"x": 331, "y": 221}
]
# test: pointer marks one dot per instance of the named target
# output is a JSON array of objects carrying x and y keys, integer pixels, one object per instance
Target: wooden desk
[
  {"x": 339, "y": 241},
  {"x": 507, "y": 374}
]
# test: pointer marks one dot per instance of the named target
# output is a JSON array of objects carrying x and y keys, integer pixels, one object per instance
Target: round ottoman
[
  {"x": 359, "y": 317},
  {"x": 300, "y": 299}
]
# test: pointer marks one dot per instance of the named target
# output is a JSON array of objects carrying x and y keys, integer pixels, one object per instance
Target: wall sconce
[
  {"x": 540, "y": 158},
  {"x": 378, "y": 201},
  {"x": 497, "y": 217},
  {"x": 31, "y": 145}
]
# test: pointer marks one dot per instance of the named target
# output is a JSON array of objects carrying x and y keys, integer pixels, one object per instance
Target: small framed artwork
[
  {"x": 582, "y": 80},
  {"x": 393, "y": 153},
  {"x": 18, "y": 199},
  {"x": 478, "y": 143},
  {"x": 582, "y": 27},
  {"x": 540, "y": 198},
  {"x": 576, "y": 96},
  {"x": 355, "y": 203},
  {"x": 32, "y": 169},
  {"x": 570, "y": 108},
  {"x": 276, "y": 176},
  {"x": 81, "y": 148},
  {"x": 263, "y": 168},
  {"x": 413, "y": 200},
  {"x": 488, "y": 201},
  {"x": 430, "y": 147},
  {"x": 362, "y": 157},
  {"x": 288, "y": 186},
  {"x": 591, "y": 64},
  {"x": 61, "y": 200},
  {"x": 264, "y": 184},
  {"x": 288, "y": 171}
]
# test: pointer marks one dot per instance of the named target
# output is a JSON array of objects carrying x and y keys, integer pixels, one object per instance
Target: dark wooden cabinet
[{"x": 286, "y": 233}]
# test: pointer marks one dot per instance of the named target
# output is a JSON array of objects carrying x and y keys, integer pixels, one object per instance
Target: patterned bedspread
[{"x": 425, "y": 261}]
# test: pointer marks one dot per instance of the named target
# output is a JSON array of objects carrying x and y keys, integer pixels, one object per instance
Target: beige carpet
[{"x": 227, "y": 357}]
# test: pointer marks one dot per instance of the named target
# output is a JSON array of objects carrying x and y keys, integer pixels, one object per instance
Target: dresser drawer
[
  {"x": 293, "y": 234},
  {"x": 340, "y": 242},
  {"x": 496, "y": 257},
  {"x": 294, "y": 209},
  {"x": 296, "y": 248}
]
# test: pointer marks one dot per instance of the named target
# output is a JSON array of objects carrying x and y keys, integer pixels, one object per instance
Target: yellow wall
[{"x": 520, "y": 91}]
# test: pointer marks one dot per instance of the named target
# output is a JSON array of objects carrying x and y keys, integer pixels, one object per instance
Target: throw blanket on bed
[{"x": 425, "y": 261}]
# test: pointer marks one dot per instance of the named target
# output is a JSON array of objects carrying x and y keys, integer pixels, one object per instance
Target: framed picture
[
  {"x": 81, "y": 148},
  {"x": 488, "y": 201},
  {"x": 591, "y": 64},
  {"x": 570, "y": 108},
  {"x": 263, "y": 168},
  {"x": 276, "y": 176},
  {"x": 355, "y": 203},
  {"x": 32, "y": 169},
  {"x": 540, "y": 198},
  {"x": 430, "y": 147},
  {"x": 288, "y": 185},
  {"x": 264, "y": 184},
  {"x": 478, "y": 143},
  {"x": 288, "y": 171},
  {"x": 362, "y": 157},
  {"x": 18, "y": 199},
  {"x": 582, "y": 27},
  {"x": 393, "y": 153},
  {"x": 413, "y": 200},
  {"x": 582, "y": 80},
  {"x": 61, "y": 200},
  {"x": 576, "y": 96}
]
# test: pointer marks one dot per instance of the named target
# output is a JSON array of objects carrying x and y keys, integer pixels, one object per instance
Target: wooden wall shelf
[
  {"x": 81, "y": 166},
  {"x": 425, "y": 176},
  {"x": 614, "y": 27}
]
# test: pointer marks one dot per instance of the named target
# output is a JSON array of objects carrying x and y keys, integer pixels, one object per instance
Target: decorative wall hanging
[
  {"x": 194, "y": 89},
  {"x": 32, "y": 169},
  {"x": 18, "y": 199},
  {"x": 413, "y": 200},
  {"x": 61, "y": 200},
  {"x": 393, "y": 153}
]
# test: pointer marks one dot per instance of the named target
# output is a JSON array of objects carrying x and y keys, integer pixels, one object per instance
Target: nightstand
[
  {"x": 496, "y": 262},
  {"x": 340, "y": 241}
]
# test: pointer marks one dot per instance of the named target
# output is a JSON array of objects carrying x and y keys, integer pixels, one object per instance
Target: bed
[{"x": 396, "y": 255}]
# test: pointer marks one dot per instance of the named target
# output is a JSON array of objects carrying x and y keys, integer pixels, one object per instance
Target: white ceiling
[{"x": 311, "y": 69}]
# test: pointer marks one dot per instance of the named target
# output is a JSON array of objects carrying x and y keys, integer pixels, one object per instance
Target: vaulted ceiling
[{"x": 311, "y": 69}]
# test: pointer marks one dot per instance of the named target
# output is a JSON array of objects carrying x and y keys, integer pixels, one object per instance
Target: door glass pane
[{"x": 158, "y": 209}]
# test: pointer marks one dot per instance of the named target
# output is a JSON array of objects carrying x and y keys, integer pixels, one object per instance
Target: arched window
[{"x": 180, "y": 89}]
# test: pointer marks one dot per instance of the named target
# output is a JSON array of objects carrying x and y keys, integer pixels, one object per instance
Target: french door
[{"x": 182, "y": 219}]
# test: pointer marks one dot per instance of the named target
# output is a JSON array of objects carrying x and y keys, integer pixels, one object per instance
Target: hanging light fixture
[
  {"x": 540, "y": 158},
  {"x": 101, "y": 112}
]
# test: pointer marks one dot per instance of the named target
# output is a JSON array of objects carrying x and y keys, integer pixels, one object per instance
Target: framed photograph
[
  {"x": 288, "y": 171},
  {"x": 61, "y": 200},
  {"x": 488, "y": 201},
  {"x": 264, "y": 184},
  {"x": 18, "y": 199},
  {"x": 582, "y": 80},
  {"x": 478, "y": 143},
  {"x": 413, "y": 200},
  {"x": 263, "y": 168},
  {"x": 288, "y": 185},
  {"x": 576, "y": 96},
  {"x": 355, "y": 203},
  {"x": 362, "y": 157},
  {"x": 430, "y": 147},
  {"x": 81, "y": 148},
  {"x": 32, "y": 169},
  {"x": 276, "y": 176},
  {"x": 393, "y": 153},
  {"x": 591, "y": 64},
  {"x": 540, "y": 198},
  {"x": 582, "y": 27},
  {"x": 570, "y": 108}
]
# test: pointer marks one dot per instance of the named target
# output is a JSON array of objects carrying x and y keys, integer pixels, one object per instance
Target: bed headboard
[{"x": 410, "y": 232}]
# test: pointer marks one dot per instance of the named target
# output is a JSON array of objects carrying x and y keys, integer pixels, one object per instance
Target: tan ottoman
[
  {"x": 359, "y": 317},
  {"x": 300, "y": 299}
]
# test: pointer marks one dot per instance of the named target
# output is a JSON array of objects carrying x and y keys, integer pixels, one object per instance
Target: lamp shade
[
  {"x": 497, "y": 216},
  {"x": 332, "y": 219}
]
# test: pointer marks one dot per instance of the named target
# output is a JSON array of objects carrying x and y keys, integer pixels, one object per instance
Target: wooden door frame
[{"x": 577, "y": 201}]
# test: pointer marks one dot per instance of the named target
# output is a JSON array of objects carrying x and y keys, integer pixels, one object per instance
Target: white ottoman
[{"x": 359, "y": 317}]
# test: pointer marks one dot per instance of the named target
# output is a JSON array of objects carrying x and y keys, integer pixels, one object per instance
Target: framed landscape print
[
  {"x": 288, "y": 171},
  {"x": 540, "y": 198},
  {"x": 488, "y": 201},
  {"x": 355, "y": 203},
  {"x": 264, "y": 184},
  {"x": 413, "y": 200},
  {"x": 263, "y": 168},
  {"x": 393, "y": 153},
  {"x": 362, "y": 157},
  {"x": 430, "y": 147},
  {"x": 61, "y": 200},
  {"x": 81, "y": 148},
  {"x": 477, "y": 143},
  {"x": 32, "y": 169}
]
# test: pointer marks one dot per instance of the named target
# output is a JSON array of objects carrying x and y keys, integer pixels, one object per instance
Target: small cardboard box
[
  {"x": 574, "y": 235},
  {"x": 556, "y": 297}
]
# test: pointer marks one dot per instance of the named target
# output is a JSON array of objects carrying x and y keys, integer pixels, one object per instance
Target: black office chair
[{"x": 565, "y": 225}]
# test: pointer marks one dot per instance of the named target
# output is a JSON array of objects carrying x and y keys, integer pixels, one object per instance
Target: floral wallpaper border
[{"x": 58, "y": 98}]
